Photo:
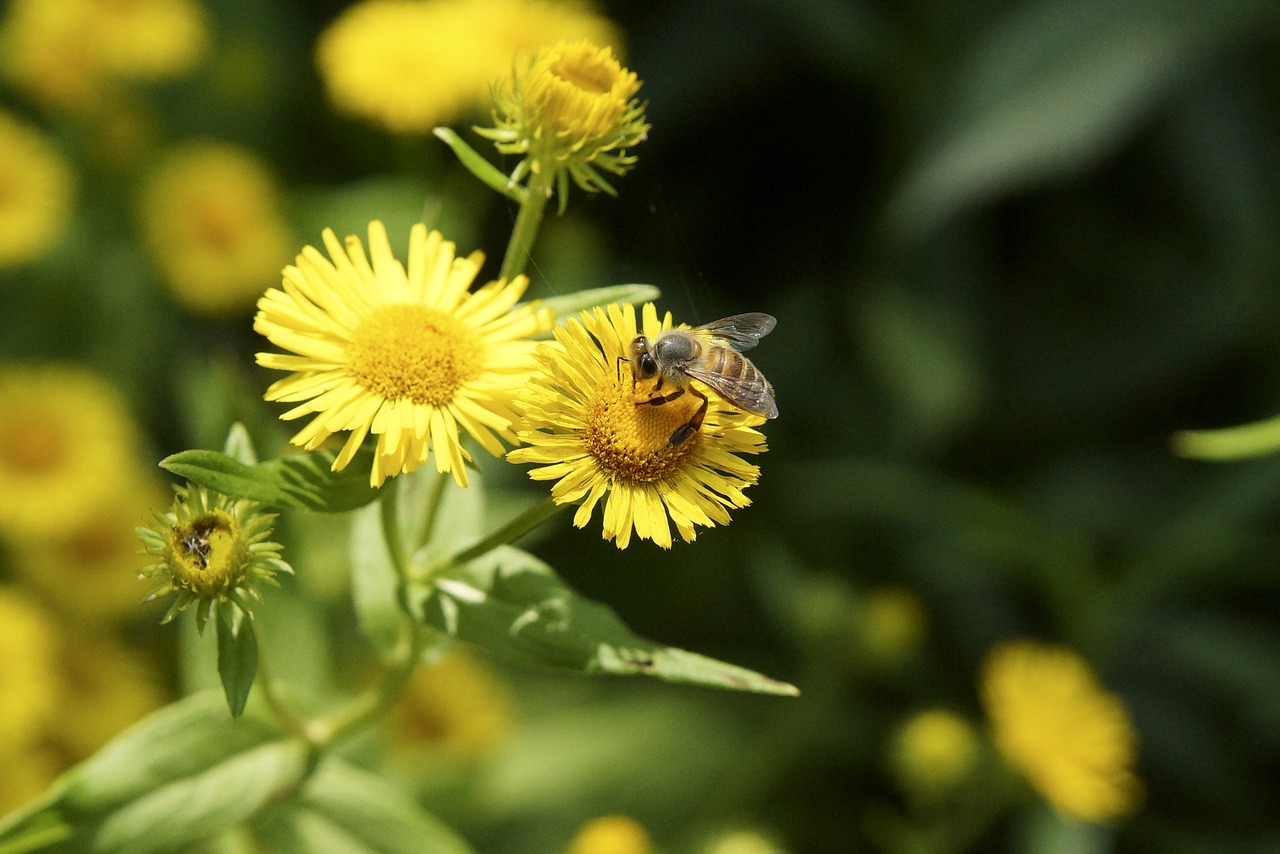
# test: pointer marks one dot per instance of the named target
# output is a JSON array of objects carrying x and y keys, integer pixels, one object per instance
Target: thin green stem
[
  {"x": 389, "y": 505},
  {"x": 536, "y": 196},
  {"x": 289, "y": 720},
  {"x": 508, "y": 533}
]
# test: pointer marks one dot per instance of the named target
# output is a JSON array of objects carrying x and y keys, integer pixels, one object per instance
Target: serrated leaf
[
  {"x": 343, "y": 809},
  {"x": 513, "y": 603},
  {"x": 570, "y": 304},
  {"x": 477, "y": 165},
  {"x": 237, "y": 657},
  {"x": 297, "y": 481}
]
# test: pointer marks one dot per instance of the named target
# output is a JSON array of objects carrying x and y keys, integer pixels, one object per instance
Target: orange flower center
[{"x": 631, "y": 438}]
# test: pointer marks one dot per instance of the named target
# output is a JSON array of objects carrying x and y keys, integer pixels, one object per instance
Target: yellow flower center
[
  {"x": 208, "y": 555},
  {"x": 414, "y": 352},
  {"x": 30, "y": 447},
  {"x": 631, "y": 439}
]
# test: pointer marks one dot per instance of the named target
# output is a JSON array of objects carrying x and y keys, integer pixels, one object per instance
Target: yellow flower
[
  {"x": 1064, "y": 732},
  {"x": 66, "y": 445},
  {"x": 611, "y": 834},
  {"x": 28, "y": 656},
  {"x": 36, "y": 193},
  {"x": 72, "y": 54},
  {"x": 934, "y": 752},
  {"x": 211, "y": 550},
  {"x": 456, "y": 703},
  {"x": 586, "y": 429},
  {"x": 211, "y": 219},
  {"x": 409, "y": 356},
  {"x": 413, "y": 64},
  {"x": 893, "y": 623},
  {"x": 89, "y": 572},
  {"x": 571, "y": 111}
]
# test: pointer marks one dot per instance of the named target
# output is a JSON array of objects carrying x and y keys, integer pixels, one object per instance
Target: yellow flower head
[
  {"x": 410, "y": 65},
  {"x": 587, "y": 428},
  {"x": 212, "y": 550},
  {"x": 934, "y": 752},
  {"x": 69, "y": 54},
  {"x": 67, "y": 443},
  {"x": 28, "y": 661},
  {"x": 456, "y": 703},
  {"x": 36, "y": 193},
  {"x": 409, "y": 355},
  {"x": 570, "y": 111},
  {"x": 611, "y": 834},
  {"x": 1064, "y": 732},
  {"x": 211, "y": 219}
]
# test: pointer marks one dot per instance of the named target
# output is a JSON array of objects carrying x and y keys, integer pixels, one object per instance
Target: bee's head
[{"x": 642, "y": 360}]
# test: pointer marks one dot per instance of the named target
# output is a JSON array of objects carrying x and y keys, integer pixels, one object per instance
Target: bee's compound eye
[{"x": 648, "y": 367}]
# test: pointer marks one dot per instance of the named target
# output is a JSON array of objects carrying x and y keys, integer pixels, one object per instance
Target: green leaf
[
  {"x": 348, "y": 811},
  {"x": 1255, "y": 439},
  {"x": 516, "y": 605},
  {"x": 237, "y": 657},
  {"x": 573, "y": 303},
  {"x": 239, "y": 446},
  {"x": 373, "y": 582},
  {"x": 480, "y": 167},
  {"x": 297, "y": 481}
]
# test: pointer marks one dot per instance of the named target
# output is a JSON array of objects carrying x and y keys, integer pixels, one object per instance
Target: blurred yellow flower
[
  {"x": 36, "y": 192},
  {"x": 934, "y": 752},
  {"x": 28, "y": 771},
  {"x": 211, "y": 219},
  {"x": 457, "y": 704},
  {"x": 584, "y": 428},
  {"x": 69, "y": 54},
  {"x": 67, "y": 443},
  {"x": 893, "y": 623},
  {"x": 88, "y": 572},
  {"x": 410, "y": 356},
  {"x": 410, "y": 65},
  {"x": 611, "y": 834},
  {"x": 28, "y": 655},
  {"x": 105, "y": 688},
  {"x": 1063, "y": 731},
  {"x": 570, "y": 110}
]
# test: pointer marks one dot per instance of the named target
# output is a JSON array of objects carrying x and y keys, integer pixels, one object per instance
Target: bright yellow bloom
[
  {"x": 213, "y": 551},
  {"x": 211, "y": 219},
  {"x": 456, "y": 703},
  {"x": 413, "y": 64},
  {"x": 409, "y": 355},
  {"x": 571, "y": 111},
  {"x": 1064, "y": 732},
  {"x": 934, "y": 752},
  {"x": 88, "y": 572},
  {"x": 586, "y": 428},
  {"x": 67, "y": 443},
  {"x": 611, "y": 834},
  {"x": 70, "y": 54},
  {"x": 28, "y": 656},
  {"x": 36, "y": 193}
]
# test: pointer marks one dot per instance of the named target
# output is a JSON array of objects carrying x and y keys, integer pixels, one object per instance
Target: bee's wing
[
  {"x": 751, "y": 394},
  {"x": 739, "y": 331}
]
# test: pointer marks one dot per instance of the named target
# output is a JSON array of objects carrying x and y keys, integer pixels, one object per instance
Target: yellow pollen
[
  {"x": 207, "y": 555},
  {"x": 631, "y": 439},
  {"x": 30, "y": 447},
  {"x": 414, "y": 352}
]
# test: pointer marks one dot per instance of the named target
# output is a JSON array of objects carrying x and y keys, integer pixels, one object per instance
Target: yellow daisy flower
[
  {"x": 211, "y": 219},
  {"x": 28, "y": 656},
  {"x": 933, "y": 753},
  {"x": 611, "y": 834},
  {"x": 585, "y": 428},
  {"x": 413, "y": 64},
  {"x": 409, "y": 355},
  {"x": 67, "y": 443},
  {"x": 36, "y": 193},
  {"x": 456, "y": 703},
  {"x": 1064, "y": 732}
]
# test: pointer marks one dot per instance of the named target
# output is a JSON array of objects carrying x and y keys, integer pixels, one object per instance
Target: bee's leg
[
  {"x": 694, "y": 424},
  {"x": 661, "y": 399}
]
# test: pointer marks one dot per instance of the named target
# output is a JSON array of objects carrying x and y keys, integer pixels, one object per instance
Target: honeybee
[{"x": 712, "y": 354}]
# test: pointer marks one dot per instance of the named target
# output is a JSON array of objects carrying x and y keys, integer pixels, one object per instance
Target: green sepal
[
  {"x": 477, "y": 165},
  {"x": 516, "y": 605},
  {"x": 296, "y": 482},
  {"x": 237, "y": 657},
  {"x": 346, "y": 809}
]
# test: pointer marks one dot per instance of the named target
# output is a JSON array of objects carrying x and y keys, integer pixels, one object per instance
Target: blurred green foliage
[{"x": 1013, "y": 246}]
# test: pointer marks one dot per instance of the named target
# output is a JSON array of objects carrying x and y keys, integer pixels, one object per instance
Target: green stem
[
  {"x": 288, "y": 719},
  {"x": 536, "y": 196},
  {"x": 508, "y": 533},
  {"x": 389, "y": 507}
]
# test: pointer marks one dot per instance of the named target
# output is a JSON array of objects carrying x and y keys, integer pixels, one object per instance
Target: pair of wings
[
  {"x": 738, "y": 331},
  {"x": 748, "y": 391}
]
